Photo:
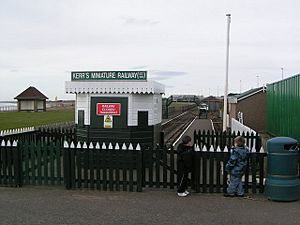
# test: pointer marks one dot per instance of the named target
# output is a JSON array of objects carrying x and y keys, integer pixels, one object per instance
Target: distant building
[
  {"x": 249, "y": 108},
  {"x": 213, "y": 103},
  {"x": 183, "y": 98},
  {"x": 31, "y": 100}
]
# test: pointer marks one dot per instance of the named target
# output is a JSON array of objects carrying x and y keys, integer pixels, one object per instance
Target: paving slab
[{"x": 55, "y": 205}]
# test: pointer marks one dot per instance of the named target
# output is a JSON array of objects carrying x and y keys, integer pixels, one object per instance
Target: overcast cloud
[{"x": 181, "y": 43}]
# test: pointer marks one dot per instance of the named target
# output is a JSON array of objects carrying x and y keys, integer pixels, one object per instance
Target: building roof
[
  {"x": 31, "y": 93},
  {"x": 246, "y": 94},
  {"x": 211, "y": 99},
  {"x": 251, "y": 92},
  {"x": 114, "y": 87}
]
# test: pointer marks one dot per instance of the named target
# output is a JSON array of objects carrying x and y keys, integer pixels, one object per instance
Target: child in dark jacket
[
  {"x": 236, "y": 167},
  {"x": 184, "y": 164}
]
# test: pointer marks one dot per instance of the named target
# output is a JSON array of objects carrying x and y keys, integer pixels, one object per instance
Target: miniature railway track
[{"x": 174, "y": 127}]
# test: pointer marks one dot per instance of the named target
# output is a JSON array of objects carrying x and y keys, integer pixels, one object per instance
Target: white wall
[
  {"x": 157, "y": 112},
  {"x": 83, "y": 102},
  {"x": 136, "y": 102},
  {"x": 145, "y": 102},
  {"x": 237, "y": 126}
]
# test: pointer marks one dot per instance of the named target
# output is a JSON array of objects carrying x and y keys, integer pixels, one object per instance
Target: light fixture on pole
[
  {"x": 281, "y": 73},
  {"x": 226, "y": 75}
]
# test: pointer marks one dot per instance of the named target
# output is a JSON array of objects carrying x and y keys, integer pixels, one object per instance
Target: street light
[{"x": 226, "y": 75}]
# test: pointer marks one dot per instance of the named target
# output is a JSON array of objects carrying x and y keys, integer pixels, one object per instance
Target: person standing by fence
[
  {"x": 236, "y": 167},
  {"x": 184, "y": 164}
]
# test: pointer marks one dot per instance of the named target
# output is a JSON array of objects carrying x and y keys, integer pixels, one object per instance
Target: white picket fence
[
  {"x": 90, "y": 145},
  {"x": 16, "y": 131},
  {"x": 84, "y": 145},
  {"x": 212, "y": 149},
  {"x": 8, "y": 108},
  {"x": 9, "y": 143},
  {"x": 103, "y": 146}
]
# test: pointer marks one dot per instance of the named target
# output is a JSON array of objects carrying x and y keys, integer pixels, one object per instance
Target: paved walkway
[
  {"x": 198, "y": 124},
  {"x": 57, "y": 206}
]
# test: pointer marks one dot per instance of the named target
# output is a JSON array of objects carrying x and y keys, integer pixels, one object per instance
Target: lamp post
[
  {"x": 281, "y": 73},
  {"x": 226, "y": 75}
]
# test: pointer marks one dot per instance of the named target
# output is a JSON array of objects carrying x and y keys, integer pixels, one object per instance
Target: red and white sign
[{"x": 108, "y": 109}]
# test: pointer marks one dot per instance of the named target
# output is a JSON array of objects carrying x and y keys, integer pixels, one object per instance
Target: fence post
[
  {"x": 247, "y": 173},
  {"x": 157, "y": 166},
  {"x": 139, "y": 169},
  {"x": 261, "y": 171},
  {"x": 66, "y": 165},
  {"x": 197, "y": 163},
  {"x": 162, "y": 139},
  {"x": 253, "y": 171},
  {"x": 17, "y": 164},
  {"x": 226, "y": 156},
  {"x": 143, "y": 166},
  {"x": 257, "y": 142},
  {"x": 196, "y": 142},
  {"x": 172, "y": 167},
  {"x": 164, "y": 166}
]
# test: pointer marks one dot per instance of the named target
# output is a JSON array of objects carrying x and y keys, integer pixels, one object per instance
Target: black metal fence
[
  {"x": 102, "y": 168},
  {"x": 10, "y": 165},
  {"x": 56, "y": 134},
  {"x": 160, "y": 170},
  {"x": 210, "y": 175},
  {"x": 117, "y": 168},
  {"x": 225, "y": 139}
]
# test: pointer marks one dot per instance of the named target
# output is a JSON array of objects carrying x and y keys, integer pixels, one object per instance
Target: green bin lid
[{"x": 279, "y": 144}]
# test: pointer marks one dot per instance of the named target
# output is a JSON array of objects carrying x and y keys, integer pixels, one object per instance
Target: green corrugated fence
[{"x": 283, "y": 107}]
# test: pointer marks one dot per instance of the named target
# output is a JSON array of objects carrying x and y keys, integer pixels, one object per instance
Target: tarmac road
[{"x": 57, "y": 206}]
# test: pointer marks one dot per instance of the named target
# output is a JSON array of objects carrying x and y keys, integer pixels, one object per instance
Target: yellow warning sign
[{"x": 108, "y": 121}]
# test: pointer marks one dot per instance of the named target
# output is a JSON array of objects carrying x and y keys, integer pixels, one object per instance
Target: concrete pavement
[
  {"x": 55, "y": 205},
  {"x": 198, "y": 124}
]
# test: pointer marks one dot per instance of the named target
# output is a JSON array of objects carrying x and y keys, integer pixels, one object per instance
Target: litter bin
[{"x": 282, "y": 182}]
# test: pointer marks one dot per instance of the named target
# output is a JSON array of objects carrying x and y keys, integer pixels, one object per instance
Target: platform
[{"x": 197, "y": 124}]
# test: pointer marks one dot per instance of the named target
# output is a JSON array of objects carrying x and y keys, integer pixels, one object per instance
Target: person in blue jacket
[{"x": 236, "y": 167}]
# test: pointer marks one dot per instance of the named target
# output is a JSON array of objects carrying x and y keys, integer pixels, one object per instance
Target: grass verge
[{"x": 11, "y": 120}]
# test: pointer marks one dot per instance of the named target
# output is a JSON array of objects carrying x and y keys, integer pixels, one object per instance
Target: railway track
[{"x": 174, "y": 127}]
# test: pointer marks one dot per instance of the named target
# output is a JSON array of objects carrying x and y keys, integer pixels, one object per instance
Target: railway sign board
[
  {"x": 109, "y": 75},
  {"x": 108, "y": 109}
]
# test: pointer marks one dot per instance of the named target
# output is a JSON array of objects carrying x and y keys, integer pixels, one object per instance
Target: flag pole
[{"x": 226, "y": 75}]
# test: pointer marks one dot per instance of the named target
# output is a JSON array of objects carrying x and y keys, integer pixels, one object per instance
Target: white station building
[{"x": 117, "y": 106}]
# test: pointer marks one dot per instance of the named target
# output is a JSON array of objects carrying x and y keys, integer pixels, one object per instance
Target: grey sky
[{"x": 181, "y": 43}]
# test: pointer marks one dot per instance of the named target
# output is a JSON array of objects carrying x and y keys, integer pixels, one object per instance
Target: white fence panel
[{"x": 237, "y": 126}]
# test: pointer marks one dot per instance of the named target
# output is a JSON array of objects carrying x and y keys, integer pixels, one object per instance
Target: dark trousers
[
  {"x": 182, "y": 182},
  {"x": 182, "y": 178}
]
